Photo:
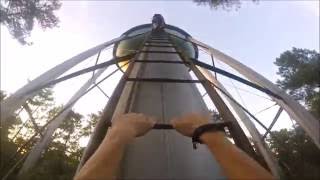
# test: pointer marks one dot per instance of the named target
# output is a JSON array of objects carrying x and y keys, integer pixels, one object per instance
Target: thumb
[
  {"x": 152, "y": 120},
  {"x": 173, "y": 122}
]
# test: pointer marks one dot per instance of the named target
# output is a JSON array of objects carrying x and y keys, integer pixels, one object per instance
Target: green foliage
[
  {"x": 2, "y": 95},
  {"x": 93, "y": 119},
  {"x": 19, "y": 16},
  {"x": 7, "y": 147},
  {"x": 224, "y": 4},
  {"x": 10, "y": 123},
  {"x": 54, "y": 165},
  {"x": 300, "y": 77},
  {"x": 61, "y": 158},
  {"x": 297, "y": 154},
  {"x": 300, "y": 72},
  {"x": 43, "y": 98}
]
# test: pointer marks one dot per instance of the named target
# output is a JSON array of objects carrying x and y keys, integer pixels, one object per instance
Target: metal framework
[
  {"x": 309, "y": 123},
  {"x": 214, "y": 89}
]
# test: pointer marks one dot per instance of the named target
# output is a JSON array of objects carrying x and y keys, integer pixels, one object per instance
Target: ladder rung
[
  {"x": 161, "y": 61},
  {"x": 159, "y": 38},
  {"x": 156, "y": 43},
  {"x": 160, "y": 42},
  {"x": 164, "y": 80},
  {"x": 151, "y": 45},
  {"x": 163, "y": 126},
  {"x": 169, "y": 52}
]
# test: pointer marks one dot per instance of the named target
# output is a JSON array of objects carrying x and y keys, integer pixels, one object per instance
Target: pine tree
[{"x": 19, "y": 16}]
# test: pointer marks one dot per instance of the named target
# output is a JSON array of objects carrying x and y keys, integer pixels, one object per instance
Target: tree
[
  {"x": 7, "y": 147},
  {"x": 11, "y": 136},
  {"x": 300, "y": 77},
  {"x": 300, "y": 73},
  {"x": 62, "y": 157},
  {"x": 297, "y": 154},
  {"x": 224, "y": 4},
  {"x": 19, "y": 16}
]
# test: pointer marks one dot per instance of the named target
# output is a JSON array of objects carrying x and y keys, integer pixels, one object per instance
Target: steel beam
[
  {"x": 273, "y": 122},
  {"x": 256, "y": 136},
  {"x": 42, "y": 144},
  {"x": 237, "y": 134},
  {"x": 305, "y": 119},
  {"x": 17, "y": 99},
  {"x": 101, "y": 128},
  {"x": 29, "y": 112}
]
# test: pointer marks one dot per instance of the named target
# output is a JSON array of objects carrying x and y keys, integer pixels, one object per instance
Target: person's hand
[
  {"x": 186, "y": 124},
  {"x": 133, "y": 124}
]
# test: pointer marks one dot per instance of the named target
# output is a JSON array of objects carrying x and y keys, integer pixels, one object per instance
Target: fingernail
[{"x": 173, "y": 121}]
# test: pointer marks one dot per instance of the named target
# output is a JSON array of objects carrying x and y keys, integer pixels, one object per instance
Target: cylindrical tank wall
[{"x": 166, "y": 154}]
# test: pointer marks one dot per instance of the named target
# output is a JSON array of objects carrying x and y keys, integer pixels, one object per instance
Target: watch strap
[{"x": 212, "y": 127}]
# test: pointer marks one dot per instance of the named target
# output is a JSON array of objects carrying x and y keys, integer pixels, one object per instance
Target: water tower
[{"x": 156, "y": 60}]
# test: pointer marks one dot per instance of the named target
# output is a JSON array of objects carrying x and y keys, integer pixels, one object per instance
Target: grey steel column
[
  {"x": 165, "y": 153},
  {"x": 101, "y": 128}
]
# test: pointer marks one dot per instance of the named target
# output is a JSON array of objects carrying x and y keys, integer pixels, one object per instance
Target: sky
[{"x": 256, "y": 34}]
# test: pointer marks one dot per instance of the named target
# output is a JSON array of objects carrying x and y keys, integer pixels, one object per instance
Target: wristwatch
[{"x": 212, "y": 127}]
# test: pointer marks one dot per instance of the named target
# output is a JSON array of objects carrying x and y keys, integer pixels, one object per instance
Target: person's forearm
[
  {"x": 104, "y": 162},
  {"x": 234, "y": 162}
]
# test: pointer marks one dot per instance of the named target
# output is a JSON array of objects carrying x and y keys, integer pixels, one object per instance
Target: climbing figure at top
[{"x": 158, "y": 22}]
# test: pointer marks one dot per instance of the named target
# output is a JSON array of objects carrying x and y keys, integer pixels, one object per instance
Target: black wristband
[{"x": 207, "y": 128}]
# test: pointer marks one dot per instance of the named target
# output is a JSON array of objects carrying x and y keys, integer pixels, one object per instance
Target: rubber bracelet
[{"x": 207, "y": 128}]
